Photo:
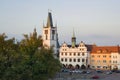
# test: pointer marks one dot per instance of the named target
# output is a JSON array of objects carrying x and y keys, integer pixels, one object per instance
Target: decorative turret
[{"x": 73, "y": 39}]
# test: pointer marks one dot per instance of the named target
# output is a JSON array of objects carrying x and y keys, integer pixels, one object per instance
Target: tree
[
  {"x": 8, "y": 55},
  {"x": 38, "y": 62},
  {"x": 26, "y": 60}
]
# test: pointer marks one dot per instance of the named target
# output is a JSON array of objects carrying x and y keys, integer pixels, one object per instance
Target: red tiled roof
[{"x": 105, "y": 49}]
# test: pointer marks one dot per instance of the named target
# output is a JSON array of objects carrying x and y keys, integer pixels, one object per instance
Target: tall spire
[
  {"x": 49, "y": 20},
  {"x": 73, "y": 33},
  {"x": 73, "y": 39}
]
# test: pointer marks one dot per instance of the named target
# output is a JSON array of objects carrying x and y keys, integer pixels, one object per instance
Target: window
[
  {"x": 70, "y": 54},
  {"x": 98, "y": 66},
  {"x": 78, "y": 60},
  {"x": 98, "y": 61},
  {"x": 74, "y": 60},
  {"x": 83, "y": 60},
  {"x": 104, "y": 61},
  {"x": 93, "y": 56},
  {"x": 64, "y": 49},
  {"x": 53, "y": 34},
  {"x": 98, "y": 56},
  {"x": 83, "y": 54},
  {"x": 70, "y": 60},
  {"x": 46, "y": 31},
  {"x": 110, "y": 61},
  {"x": 74, "y": 54},
  {"x": 65, "y": 59},
  {"x": 53, "y": 31},
  {"x": 93, "y": 66},
  {"x": 114, "y": 61},
  {"x": 82, "y": 49},
  {"x": 104, "y": 56},
  {"x": 66, "y": 54},
  {"x": 61, "y": 53},
  {"x": 62, "y": 59},
  {"x": 104, "y": 67},
  {"x": 99, "y": 51}
]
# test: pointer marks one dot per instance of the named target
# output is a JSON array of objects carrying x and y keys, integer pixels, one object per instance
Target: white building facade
[
  {"x": 115, "y": 60},
  {"x": 75, "y": 56}
]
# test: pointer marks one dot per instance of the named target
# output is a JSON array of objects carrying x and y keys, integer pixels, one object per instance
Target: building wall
[
  {"x": 115, "y": 60},
  {"x": 100, "y": 60},
  {"x": 74, "y": 56},
  {"x": 105, "y": 57}
]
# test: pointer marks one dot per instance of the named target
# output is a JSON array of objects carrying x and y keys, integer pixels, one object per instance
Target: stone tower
[{"x": 50, "y": 35}]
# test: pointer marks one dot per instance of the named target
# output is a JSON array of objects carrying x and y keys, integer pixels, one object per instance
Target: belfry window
[
  {"x": 53, "y": 34},
  {"x": 46, "y": 31}
]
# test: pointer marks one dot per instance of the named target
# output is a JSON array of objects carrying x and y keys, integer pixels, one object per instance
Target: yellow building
[{"x": 101, "y": 57}]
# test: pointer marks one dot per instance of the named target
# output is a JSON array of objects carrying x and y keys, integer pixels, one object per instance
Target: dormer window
[{"x": 99, "y": 51}]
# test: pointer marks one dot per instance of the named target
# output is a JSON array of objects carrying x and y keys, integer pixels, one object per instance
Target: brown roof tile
[{"x": 105, "y": 49}]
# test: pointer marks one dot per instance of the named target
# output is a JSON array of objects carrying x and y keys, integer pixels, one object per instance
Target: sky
[{"x": 93, "y": 21}]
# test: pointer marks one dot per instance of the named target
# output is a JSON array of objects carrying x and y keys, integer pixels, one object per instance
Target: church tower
[{"x": 50, "y": 36}]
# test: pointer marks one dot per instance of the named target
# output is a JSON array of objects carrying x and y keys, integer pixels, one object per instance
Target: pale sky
[{"x": 94, "y": 21}]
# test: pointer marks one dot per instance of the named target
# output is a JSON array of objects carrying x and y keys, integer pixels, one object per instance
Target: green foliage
[{"x": 26, "y": 60}]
